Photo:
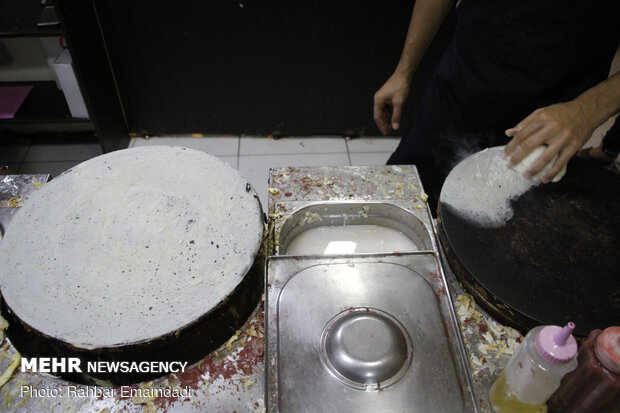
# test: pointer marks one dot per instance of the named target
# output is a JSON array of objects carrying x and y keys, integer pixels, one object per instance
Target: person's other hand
[
  {"x": 561, "y": 127},
  {"x": 388, "y": 103}
]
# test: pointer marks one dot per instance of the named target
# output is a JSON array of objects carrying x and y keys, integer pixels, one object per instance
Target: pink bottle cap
[
  {"x": 556, "y": 344},
  {"x": 607, "y": 349}
]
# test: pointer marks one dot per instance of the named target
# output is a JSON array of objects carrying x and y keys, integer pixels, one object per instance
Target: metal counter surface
[
  {"x": 14, "y": 190},
  {"x": 232, "y": 378},
  {"x": 488, "y": 344},
  {"x": 229, "y": 379}
]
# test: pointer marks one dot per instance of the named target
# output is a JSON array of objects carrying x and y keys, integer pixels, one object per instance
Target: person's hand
[
  {"x": 388, "y": 103},
  {"x": 562, "y": 127}
]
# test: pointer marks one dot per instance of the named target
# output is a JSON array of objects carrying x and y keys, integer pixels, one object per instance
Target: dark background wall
[{"x": 249, "y": 66}]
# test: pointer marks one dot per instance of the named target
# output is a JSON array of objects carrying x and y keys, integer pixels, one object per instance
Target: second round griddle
[{"x": 556, "y": 260}]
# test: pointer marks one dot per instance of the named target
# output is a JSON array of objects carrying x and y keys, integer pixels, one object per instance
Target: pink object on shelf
[{"x": 11, "y": 98}]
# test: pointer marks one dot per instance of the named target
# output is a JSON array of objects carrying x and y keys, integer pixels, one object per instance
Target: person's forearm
[
  {"x": 600, "y": 102},
  {"x": 426, "y": 19}
]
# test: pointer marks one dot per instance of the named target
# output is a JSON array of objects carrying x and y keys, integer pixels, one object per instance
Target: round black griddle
[
  {"x": 158, "y": 279},
  {"x": 556, "y": 260}
]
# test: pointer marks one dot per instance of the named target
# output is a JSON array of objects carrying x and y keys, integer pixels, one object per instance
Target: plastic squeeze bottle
[
  {"x": 534, "y": 372},
  {"x": 594, "y": 386}
]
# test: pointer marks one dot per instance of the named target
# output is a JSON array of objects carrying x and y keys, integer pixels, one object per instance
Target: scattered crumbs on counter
[
  {"x": 8, "y": 373},
  {"x": 494, "y": 343},
  {"x": 3, "y": 326},
  {"x": 12, "y": 203}
]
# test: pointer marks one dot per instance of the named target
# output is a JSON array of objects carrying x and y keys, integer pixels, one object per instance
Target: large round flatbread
[{"x": 130, "y": 246}]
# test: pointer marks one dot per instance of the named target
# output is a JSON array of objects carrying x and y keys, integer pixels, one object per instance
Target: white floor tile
[
  {"x": 256, "y": 168},
  {"x": 218, "y": 146},
  {"x": 9, "y": 169},
  {"x": 230, "y": 160},
  {"x": 13, "y": 153},
  {"x": 63, "y": 152},
  {"x": 293, "y": 145},
  {"x": 370, "y": 159},
  {"x": 379, "y": 144},
  {"x": 53, "y": 168}
]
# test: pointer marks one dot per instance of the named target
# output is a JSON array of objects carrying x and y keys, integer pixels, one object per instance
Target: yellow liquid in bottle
[{"x": 503, "y": 399}]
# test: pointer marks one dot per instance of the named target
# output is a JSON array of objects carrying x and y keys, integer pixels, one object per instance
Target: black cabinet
[
  {"x": 20, "y": 18},
  {"x": 45, "y": 104},
  {"x": 22, "y": 22}
]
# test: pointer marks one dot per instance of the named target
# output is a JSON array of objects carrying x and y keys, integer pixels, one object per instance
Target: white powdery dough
[
  {"x": 481, "y": 187},
  {"x": 129, "y": 246}
]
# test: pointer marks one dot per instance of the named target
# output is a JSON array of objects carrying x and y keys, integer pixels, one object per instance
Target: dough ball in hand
[{"x": 529, "y": 160}]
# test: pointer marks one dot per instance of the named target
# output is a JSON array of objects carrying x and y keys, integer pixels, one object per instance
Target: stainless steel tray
[
  {"x": 343, "y": 213},
  {"x": 363, "y": 333}
]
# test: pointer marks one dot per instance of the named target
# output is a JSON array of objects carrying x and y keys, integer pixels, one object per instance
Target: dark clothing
[{"x": 507, "y": 59}]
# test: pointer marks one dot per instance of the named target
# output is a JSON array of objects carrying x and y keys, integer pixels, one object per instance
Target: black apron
[{"x": 507, "y": 59}]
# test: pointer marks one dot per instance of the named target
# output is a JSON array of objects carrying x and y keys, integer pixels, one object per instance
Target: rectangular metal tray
[{"x": 304, "y": 293}]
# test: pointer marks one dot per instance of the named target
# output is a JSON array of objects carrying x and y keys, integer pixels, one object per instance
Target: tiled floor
[
  {"x": 48, "y": 158},
  {"x": 253, "y": 156}
]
